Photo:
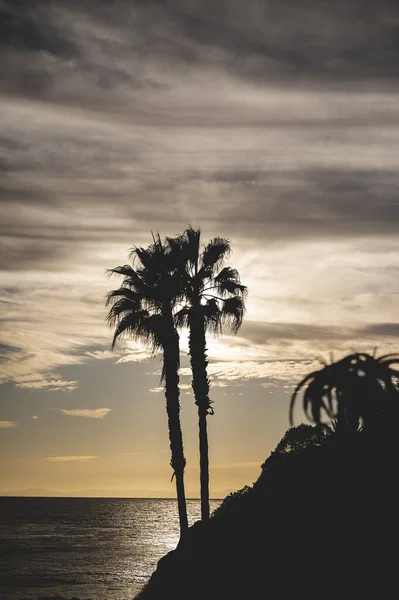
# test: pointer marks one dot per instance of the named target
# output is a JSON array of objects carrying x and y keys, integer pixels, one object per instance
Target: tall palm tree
[
  {"x": 143, "y": 308},
  {"x": 214, "y": 297},
  {"x": 359, "y": 389}
]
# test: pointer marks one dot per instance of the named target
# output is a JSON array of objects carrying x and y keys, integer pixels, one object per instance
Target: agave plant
[{"x": 359, "y": 389}]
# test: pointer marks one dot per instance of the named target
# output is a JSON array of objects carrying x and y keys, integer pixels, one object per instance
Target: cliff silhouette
[{"x": 321, "y": 521}]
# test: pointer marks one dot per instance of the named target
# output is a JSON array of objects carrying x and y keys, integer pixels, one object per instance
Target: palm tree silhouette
[
  {"x": 358, "y": 390},
  {"x": 143, "y": 308},
  {"x": 214, "y": 297}
]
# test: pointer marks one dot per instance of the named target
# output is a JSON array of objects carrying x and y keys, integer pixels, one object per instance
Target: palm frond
[
  {"x": 212, "y": 316},
  {"x": 192, "y": 246},
  {"x": 180, "y": 318},
  {"x": 185, "y": 247},
  {"x": 125, "y": 270},
  {"x": 227, "y": 274},
  {"x": 228, "y": 282},
  {"x": 232, "y": 312},
  {"x": 215, "y": 252},
  {"x": 124, "y": 293},
  {"x": 231, "y": 287},
  {"x": 121, "y": 307},
  {"x": 133, "y": 323}
]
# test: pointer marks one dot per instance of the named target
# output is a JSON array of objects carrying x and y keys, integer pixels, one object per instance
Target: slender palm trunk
[
  {"x": 200, "y": 383},
  {"x": 204, "y": 464},
  {"x": 178, "y": 461}
]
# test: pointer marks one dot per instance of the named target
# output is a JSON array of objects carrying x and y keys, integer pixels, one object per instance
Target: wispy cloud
[
  {"x": 48, "y": 382},
  {"x": 8, "y": 424},
  {"x": 70, "y": 458},
  {"x": 96, "y": 413},
  {"x": 101, "y": 354},
  {"x": 139, "y": 355},
  {"x": 285, "y": 141},
  {"x": 160, "y": 389},
  {"x": 130, "y": 453}
]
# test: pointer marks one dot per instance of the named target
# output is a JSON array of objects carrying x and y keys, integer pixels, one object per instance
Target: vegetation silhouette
[
  {"x": 179, "y": 282},
  {"x": 213, "y": 297},
  {"x": 143, "y": 308},
  {"x": 358, "y": 390},
  {"x": 322, "y": 518}
]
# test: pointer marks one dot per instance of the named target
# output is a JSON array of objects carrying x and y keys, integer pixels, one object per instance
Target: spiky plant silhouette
[{"x": 359, "y": 390}]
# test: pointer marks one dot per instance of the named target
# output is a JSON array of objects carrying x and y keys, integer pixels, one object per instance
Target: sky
[{"x": 273, "y": 123}]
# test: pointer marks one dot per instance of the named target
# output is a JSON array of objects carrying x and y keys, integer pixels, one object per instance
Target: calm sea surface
[{"x": 85, "y": 548}]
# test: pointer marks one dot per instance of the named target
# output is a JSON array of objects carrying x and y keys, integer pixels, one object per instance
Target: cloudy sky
[{"x": 274, "y": 123}]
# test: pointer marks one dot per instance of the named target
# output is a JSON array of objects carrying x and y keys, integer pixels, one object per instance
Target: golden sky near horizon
[{"x": 273, "y": 124}]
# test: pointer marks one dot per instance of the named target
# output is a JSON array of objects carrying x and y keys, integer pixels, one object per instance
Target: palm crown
[
  {"x": 215, "y": 291},
  {"x": 138, "y": 305}
]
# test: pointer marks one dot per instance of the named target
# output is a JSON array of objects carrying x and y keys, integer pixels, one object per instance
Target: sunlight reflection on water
[{"x": 88, "y": 548}]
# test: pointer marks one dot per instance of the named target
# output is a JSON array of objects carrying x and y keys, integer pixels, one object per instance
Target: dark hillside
[{"x": 321, "y": 521}]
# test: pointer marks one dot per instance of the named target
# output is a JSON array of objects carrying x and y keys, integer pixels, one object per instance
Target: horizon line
[{"x": 60, "y": 496}]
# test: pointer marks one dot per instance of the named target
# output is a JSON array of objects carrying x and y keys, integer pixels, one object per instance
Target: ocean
[{"x": 84, "y": 548}]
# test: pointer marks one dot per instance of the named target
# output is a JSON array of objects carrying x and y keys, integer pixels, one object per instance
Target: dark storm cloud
[
  {"x": 263, "y": 334},
  {"x": 268, "y": 122},
  {"x": 119, "y": 64},
  {"x": 22, "y": 254},
  {"x": 345, "y": 38},
  {"x": 272, "y": 207},
  {"x": 66, "y": 51},
  {"x": 27, "y": 26},
  {"x": 382, "y": 329},
  {"x": 318, "y": 203}
]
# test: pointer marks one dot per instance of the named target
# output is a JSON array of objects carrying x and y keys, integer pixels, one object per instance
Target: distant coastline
[{"x": 119, "y": 494}]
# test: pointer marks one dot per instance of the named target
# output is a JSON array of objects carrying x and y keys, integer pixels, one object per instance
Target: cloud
[
  {"x": 182, "y": 386},
  {"x": 274, "y": 42},
  {"x": 263, "y": 332},
  {"x": 101, "y": 354},
  {"x": 8, "y": 424},
  {"x": 382, "y": 329},
  {"x": 273, "y": 124},
  {"x": 70, "y": 458},
  {"x": 50, "y": 383},
  {"x": 96, "y": 413},
  {"x": 130, "y": 453},
  {"x": 139, "y": 355}
]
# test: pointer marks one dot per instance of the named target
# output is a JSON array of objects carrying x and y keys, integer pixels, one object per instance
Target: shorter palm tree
[
  {"x": 359, "y": 389},
  {"x": 143, "y": 308}
]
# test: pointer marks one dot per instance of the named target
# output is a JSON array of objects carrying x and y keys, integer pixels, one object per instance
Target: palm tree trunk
[
  {"x": 204, "y": 464},
  {"x": 178, "y": 461},
  {"x": 200, "y": 383}
]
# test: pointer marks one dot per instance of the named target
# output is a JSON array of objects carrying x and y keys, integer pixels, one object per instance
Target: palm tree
[
  {"x": 214, "y": 297},
  {"x": 359, "y": 389},
  {"x": 143, "y": 308}
]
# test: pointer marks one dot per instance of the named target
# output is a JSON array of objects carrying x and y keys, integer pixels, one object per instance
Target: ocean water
[{"x": 84, "y": 548}]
